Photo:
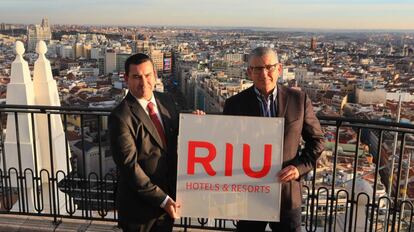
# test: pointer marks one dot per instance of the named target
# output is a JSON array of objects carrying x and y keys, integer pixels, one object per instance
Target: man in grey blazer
[
  {"x": 267, "y": 99},
  {"x": 143, "y": 133}
]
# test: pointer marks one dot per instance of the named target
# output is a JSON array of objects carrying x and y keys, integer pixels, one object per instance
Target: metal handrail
[{"x": 324, "y": 204}]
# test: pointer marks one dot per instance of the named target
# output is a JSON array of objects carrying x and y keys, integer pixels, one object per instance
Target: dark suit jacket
[
  {"x": 147, "y": 168},
  {"x": 300, "y": 121}
]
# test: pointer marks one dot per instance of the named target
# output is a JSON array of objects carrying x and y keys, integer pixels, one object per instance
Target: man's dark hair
[{"x": 136, "y": 59}]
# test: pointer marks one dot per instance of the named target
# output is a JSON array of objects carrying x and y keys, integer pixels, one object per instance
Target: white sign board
[{"x": 228, "y": 165}]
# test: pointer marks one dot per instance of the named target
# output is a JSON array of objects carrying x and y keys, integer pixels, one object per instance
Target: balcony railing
[{"x": 347, "y": 191}]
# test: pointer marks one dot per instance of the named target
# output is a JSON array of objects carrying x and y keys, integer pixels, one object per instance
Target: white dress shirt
[{"x": 143, "y": 102}]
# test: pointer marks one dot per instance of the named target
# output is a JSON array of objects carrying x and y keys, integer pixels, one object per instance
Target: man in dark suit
[
  {"x": 143, "y": 133},
  {"x": 267, "y": 99}
]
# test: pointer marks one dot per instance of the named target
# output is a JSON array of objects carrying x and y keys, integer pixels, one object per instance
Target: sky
[{"x": 308, "y": 14}]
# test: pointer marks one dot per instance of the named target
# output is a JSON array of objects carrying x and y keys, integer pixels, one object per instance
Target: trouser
[{"x": 290, "y": 221}]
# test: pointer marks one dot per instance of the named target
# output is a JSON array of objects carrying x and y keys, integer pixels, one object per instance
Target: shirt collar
[
  {"x": 261, "y": 96},
  {"x": 143, "y": 102}
]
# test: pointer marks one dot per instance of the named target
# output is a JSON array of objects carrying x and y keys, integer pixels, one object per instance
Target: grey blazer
[{"x": 300, "y": 122}]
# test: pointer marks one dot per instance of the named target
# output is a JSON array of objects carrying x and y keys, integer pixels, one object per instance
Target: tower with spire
[
  {"x": 38, "y": 33},
  {"x": 313, "y": 43}
]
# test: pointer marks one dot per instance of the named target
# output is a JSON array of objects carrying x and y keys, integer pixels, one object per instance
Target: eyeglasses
[{"x": 267, "y": 68}]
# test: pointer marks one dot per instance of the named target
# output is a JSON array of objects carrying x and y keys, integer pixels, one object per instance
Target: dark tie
[{"x": 156, "y": 121}]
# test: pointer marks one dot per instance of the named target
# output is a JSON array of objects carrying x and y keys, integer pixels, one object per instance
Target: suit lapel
[
  {"x": 142, "y": 116},
  {"x": 252, "y": 107},
  {"x": 282, "y": 101}
]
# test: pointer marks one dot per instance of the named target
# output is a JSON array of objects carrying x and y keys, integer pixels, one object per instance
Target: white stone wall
[
  {"x": 375, "y": 96},
  {"x": 405, "y": 97}
]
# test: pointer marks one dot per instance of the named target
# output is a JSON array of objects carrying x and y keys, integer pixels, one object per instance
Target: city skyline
[
  {"x": 360, "y": 83},
  {"x": 313, "y": 14}
]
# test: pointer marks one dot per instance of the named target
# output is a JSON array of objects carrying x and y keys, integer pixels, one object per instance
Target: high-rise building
[
  {"x": 101, "y": 65},
  {"x": 78, "y": 50},
  {"x": 87, "y": 50},
  {"x": 168, "y": 62},
  {"x": 110, "y": 61},
  {"x": 66, "y": 51},
  {"x": 326, "y": 60},
  {"x": 234, "y": 58},
  {"x": 142, "y": 46},
  {"x": 96, "y": 53},
  {"x": 39, "y": 32},
  {"x": 301, "y": 74},
  {"x": 389, "y": 49},
  {"x": 120, "y": 61},
  {"x": 313, "y": 43},
  {"x": 158, "y": 58}
]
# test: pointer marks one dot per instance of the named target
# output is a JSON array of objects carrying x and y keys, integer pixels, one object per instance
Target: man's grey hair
[{"x": 262, "y": 51}]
